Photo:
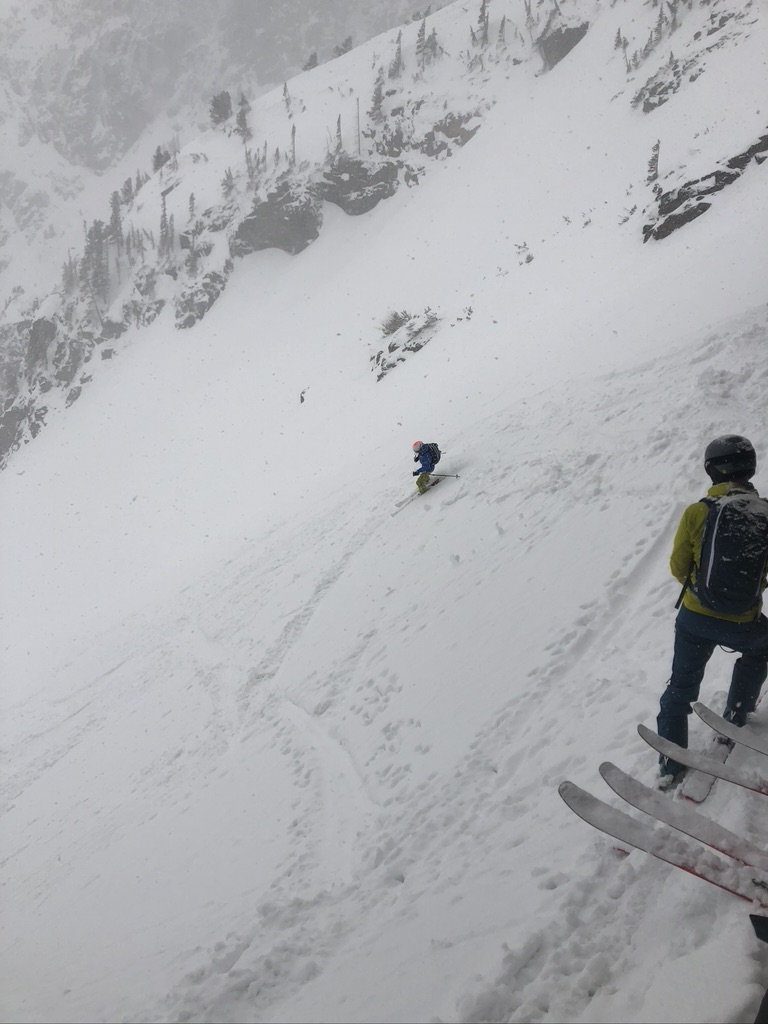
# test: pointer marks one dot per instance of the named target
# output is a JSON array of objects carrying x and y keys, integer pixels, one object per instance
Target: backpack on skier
[
  {"x": 434, "y": 451},
  {"x": 734, "y": 553}
]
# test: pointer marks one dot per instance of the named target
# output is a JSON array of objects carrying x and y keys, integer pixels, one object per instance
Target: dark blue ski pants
[{"x": 696, "y": 637}]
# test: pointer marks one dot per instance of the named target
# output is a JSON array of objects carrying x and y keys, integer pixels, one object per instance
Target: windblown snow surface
[{"x": 275, "y": 754}]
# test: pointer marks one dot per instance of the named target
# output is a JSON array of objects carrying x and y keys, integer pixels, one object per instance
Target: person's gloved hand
[{"x": 417, "y": 472}]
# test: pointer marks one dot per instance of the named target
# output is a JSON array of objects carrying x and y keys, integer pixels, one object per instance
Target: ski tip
[
  {"x": 575, "y": 797},
  {"x": 649, "y": 735},
  {"x": 568, "y": 791}
]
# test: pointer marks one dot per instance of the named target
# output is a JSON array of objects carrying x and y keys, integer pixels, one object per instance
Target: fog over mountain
[
  {"x": 83, "y": 81},
  {"x": 89, "y": 76}
]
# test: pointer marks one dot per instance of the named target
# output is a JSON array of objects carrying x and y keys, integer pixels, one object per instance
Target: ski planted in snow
[
  {"x": 683, "y": 817},
  {"x": 667, "y": 845},
  {"x": 730, "y": 731},
  {"x": 703, "y": 763}
]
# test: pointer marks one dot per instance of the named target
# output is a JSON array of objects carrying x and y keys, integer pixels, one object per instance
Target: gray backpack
[{"x": 734, "y": 553}]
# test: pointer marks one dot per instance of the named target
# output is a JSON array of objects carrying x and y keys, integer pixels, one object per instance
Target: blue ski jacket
[{"x": 424, "y": 456}]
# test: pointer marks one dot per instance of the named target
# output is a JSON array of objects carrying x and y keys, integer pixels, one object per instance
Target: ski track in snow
[
  {"x": 272, "y": 660},
  {"x": 559, "y": 970},
  {"x": 351, "y": 841},
  {"x": 341, "y": 806}
]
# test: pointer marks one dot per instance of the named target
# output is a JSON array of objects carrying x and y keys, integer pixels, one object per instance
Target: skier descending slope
[
  {"x": 429, "y": 456},
  {"x": 720, "y": 555}
]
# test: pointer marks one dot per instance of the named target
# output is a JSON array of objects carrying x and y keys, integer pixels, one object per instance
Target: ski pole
[{"x": 454, "y": 476}]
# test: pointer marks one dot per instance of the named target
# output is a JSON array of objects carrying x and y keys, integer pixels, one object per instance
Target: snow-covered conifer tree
[
  {"x": 483, "y": 22},
  {"x": 396, "y": 66},
  {"x": 344, "y": 47},
  {"x": 243, "y": 109},
  {"x": 221, "y": 108},
  {"x": 421, "y": 40},
  {"x": 376, "y": 112}
]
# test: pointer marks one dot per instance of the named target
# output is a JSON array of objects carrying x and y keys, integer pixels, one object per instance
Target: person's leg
[
  {"x": 749, "y": 672},
  {"x": 422, "y": 482},
  {"x": 689, "y": 661}
]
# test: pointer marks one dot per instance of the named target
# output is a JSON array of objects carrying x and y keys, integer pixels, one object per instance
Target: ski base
[
  {"x": 668, "y": 846},
  {"x": 680, "y": 815},
  {"x": 676, "y": 833}
]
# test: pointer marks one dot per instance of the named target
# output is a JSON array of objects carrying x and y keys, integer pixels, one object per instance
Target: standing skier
[
  {"x": 720, "y": 553},
  {"x": 429, "y": 456}
]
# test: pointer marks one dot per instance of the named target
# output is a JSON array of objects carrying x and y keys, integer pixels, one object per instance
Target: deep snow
[{"x": 278, "y": 755}]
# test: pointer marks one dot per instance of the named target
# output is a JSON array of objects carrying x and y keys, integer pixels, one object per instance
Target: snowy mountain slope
[
  {"x": 281, "y": 756},
  {"x": 426, "y": 108},
  {"x": 325, "y": 103},
  {"x": 88, "y": 90},
  {"x": 405, "y": 752}
]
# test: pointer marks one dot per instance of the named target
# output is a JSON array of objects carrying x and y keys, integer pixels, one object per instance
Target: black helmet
[{"x": 730, "y": 457}]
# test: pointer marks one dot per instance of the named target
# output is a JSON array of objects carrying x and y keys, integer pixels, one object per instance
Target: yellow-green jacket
[{"x": 686, "y": 552}]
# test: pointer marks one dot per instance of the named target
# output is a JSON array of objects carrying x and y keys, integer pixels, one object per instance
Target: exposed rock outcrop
[
  {"x": 458, "y": 128},
  {"x": 41, "y": 334},
  {"x": 356, "y": 185},
  {"x": 194, "y": 303},
  {"x": 36, "y": 357},
  {"x": 289, "y": 219},
  {"x": 415, "y": 331},
  {"x": 558, "y": 39},
  {"x": 666, "y": 82},
  {"x": 679, "y": 206}
]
